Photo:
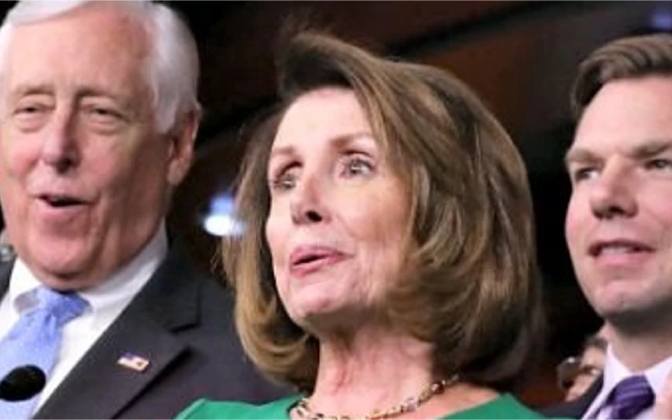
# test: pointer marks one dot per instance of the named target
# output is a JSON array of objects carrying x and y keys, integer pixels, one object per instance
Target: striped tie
[{"x": 630, "y": 397}]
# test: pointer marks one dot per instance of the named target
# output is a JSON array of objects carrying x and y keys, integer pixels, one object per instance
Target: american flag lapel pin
[{"x": 133, "y": 362}]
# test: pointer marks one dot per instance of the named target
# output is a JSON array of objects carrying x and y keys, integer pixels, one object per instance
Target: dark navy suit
[{"x": 577, "y": 408}]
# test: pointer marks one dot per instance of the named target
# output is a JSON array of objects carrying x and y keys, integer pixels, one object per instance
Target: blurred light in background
[
  {"x": 220, "y": 219},
  {"x": 661, "y": 19}
]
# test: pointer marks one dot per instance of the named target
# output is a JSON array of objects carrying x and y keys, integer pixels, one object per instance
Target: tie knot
[
  {"x": 64, "y": 306},
  {"x": 630, "y": 397}
]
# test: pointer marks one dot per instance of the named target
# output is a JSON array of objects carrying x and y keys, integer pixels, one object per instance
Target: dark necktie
[
  {"x": 35, "y": 339},
  {"x": 630, "y": 397}
]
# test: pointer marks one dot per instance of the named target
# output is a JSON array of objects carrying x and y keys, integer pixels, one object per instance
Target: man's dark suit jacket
[
  {"x": 577, "y": 408},
  {"x": 181, "y": 322}
]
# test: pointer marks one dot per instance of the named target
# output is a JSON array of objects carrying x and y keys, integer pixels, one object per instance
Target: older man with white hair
[{"x": 98, "y": 115}]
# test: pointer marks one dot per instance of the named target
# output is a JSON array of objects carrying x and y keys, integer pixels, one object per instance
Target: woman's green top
[{"x": 503, "y": 407}]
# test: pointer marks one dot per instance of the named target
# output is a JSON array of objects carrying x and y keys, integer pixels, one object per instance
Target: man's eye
[
  {"x": 30, "y": 117},
  {"x": 583, "y": 173},
  {"x": 103, "y": 120},
  {"x": 104, "y": 113},
  {"x": 29, "y": 109},
  {"x": 659, "y": 163}
]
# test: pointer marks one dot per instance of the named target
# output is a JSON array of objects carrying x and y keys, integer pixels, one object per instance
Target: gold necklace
[{"x": 409, "y": 405}]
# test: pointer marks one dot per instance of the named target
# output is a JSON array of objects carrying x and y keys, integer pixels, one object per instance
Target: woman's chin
[
  {"x": 310, "y": 310},
  {"x": 323, "y": 315}
]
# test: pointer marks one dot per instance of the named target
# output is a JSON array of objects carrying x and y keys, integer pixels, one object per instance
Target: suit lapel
[
  {"x": 584, "y": 401},
  {"x": 102, "y": 385},
  {"x": 5, "y": 274},
  {"x": 577, "y": 408}
]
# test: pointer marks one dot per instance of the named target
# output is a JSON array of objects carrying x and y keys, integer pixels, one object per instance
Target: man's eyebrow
[
  {"x": 87, "y": 91},
  {"x": 30, "y": 89},
  {"x": 38, "y": 89},
  {"x": 578, "y": 154},
  {"x": 651, "y": 148},
  {"x": 641, "y": 151}
]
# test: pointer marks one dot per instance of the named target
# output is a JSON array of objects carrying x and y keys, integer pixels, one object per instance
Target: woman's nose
[{"x": 307, "y": 202}]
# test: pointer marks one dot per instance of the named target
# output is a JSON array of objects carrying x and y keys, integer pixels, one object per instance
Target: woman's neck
[
  {"x": 372, "y": 370},
  {"x": 377, "y": 370}
]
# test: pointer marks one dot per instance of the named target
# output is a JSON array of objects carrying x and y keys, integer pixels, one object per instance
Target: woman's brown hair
[{"x": 473, "y": 289}]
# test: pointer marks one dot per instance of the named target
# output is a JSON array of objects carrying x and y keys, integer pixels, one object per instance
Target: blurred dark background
[{"x": 520, "y": 56}]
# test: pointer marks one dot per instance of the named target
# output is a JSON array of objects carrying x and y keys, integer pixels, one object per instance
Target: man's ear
[{"x": 182, "y": 139}]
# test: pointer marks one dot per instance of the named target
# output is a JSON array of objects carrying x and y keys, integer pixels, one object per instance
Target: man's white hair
[{"x": 172, "y": 69}]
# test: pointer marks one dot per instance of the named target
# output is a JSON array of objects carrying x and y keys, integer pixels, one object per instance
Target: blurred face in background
[
  {"x": 590, "y": 367},
  {"x": 338, "y": 213}
]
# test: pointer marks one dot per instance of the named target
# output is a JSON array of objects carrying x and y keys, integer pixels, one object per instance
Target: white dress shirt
[
  {"x": 615, "y": 372},
  {"x": 106, "y": 302}
]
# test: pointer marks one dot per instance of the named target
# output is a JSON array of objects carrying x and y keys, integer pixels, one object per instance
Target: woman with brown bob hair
[{"x": 387, "y": 265}]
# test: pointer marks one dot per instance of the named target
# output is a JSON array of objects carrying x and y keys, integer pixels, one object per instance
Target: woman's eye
[
  {"x": 358, "y": 166},
  {"x": 284, "y": 182}
]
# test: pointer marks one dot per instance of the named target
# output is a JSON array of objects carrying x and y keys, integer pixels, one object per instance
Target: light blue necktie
[{"x": 36, "y": 340}]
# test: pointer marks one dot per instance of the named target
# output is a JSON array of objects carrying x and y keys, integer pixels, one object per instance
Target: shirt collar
[
  {"x": 123, "y": 284},
  {"x": 22, "y": 286},
  {"x": 615, "y": 372}
]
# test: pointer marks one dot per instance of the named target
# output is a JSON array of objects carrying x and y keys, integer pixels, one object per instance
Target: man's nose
[
  {"x": 613, "y": 194},
  {"x": 60, "y": 148},
  {"x": 307, "y": 202}
]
